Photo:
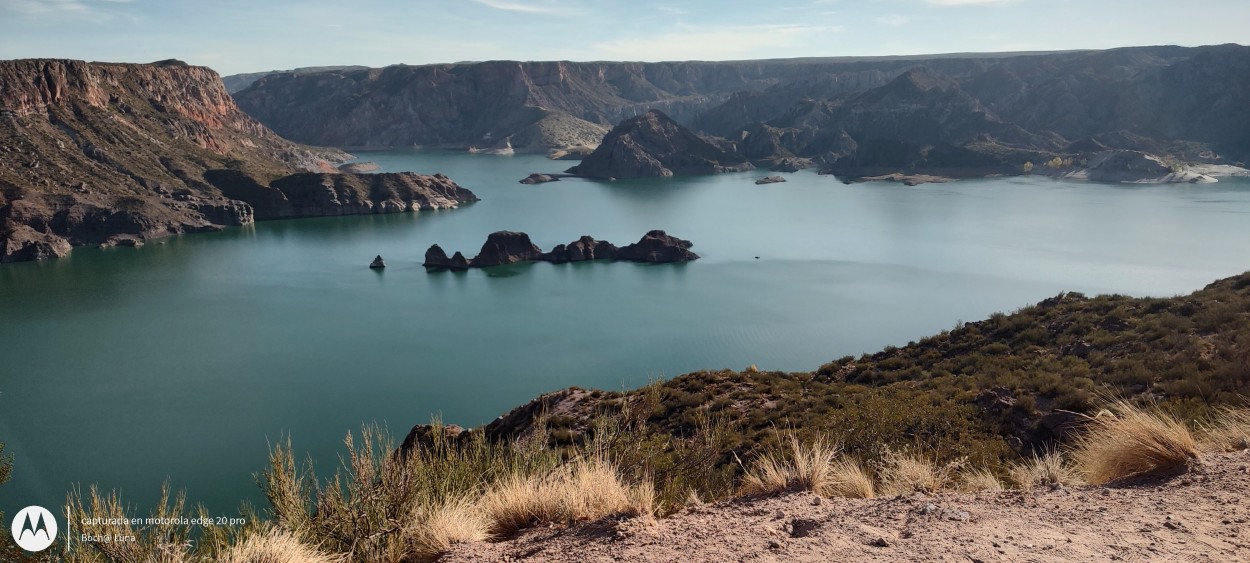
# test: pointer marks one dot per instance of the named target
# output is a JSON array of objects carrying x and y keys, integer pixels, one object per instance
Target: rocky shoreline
[{"x": 508, "y": 247}]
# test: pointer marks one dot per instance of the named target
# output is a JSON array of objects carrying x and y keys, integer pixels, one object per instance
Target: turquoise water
[{"x": 125, "y": 367}]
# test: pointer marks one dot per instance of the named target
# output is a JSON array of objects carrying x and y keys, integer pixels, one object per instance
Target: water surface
[{"x": 183, "y": 360}]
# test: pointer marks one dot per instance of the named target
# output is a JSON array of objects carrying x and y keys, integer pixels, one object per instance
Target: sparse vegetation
[
  {"x": 904, "y": 473},
  {"x": 1230, "y": 430},
  {"x": 1047, "y": 469},
  {"x": 978, "y": 480}
]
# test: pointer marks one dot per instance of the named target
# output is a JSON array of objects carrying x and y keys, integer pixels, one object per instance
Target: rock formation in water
[
  {"x": 657, "y": 246},
  {"x": 537, "y": 178},
  {"x": 653, "y": 145},
  {"x": 769, "y": 180},
  {"x": 508, "y": 247},
  {"x": 378, "y": 263},
  {"x": 95, "y": 153}
]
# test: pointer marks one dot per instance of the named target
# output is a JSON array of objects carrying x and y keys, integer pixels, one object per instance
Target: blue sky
[{"x": 242, "y": 36}]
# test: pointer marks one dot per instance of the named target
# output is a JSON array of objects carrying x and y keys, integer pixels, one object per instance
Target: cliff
[
  {"x": 653, "y": 145},
  {"x": 1003, "y": 109},
  {"x": 96, "y": 153},
  {"x": 538, "y": 104}
]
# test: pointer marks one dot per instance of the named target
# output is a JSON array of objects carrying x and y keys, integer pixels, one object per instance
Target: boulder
[
  {"x": 580, "y": 250},
  {"x": 436, "y": 257},
  {"x": 378, "y": 262},
  {"x": 24, "y": 243},
  {"x": 506, "y": 247},
  {"x": 458, "y": 262},
  {"x": 656, "y": 247}
]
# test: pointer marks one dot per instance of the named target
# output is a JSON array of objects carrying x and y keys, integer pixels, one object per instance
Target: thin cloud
[
  {"x": 515, "y": 6},
  {"x": 695, "y": 43},
  {"x": 34, "y": 8},
  {"x": 893, "y": 20}
]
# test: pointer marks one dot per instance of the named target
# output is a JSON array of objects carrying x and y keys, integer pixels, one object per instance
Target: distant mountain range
[
  {"x": 864, "y": 114},
  {"x": 236, "y": 82}
]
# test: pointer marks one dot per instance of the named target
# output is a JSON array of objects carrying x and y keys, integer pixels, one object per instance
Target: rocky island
[
  {"x": 652, "y": 145},
  {"x": 113, "y": 154},
  {"x": 508, "y": 247}
]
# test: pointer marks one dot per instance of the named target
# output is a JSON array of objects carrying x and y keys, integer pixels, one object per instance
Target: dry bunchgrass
[
  {"x": 1128, "y": 440},
  {"x": 274, "y": 547},
  {"x": 1046, "y": 470},
  {"x": 910, "y": 473},
  {"x": 1229, "y": 432},
  {"x": 584, "y": 490},
  {"x": 436, "y": 529},
  {"x": 978, "y": 480},
  {"x": 815, "y": 466}
]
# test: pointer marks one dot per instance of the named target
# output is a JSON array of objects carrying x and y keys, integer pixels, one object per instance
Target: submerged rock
[{"x": 378, "y": 262}]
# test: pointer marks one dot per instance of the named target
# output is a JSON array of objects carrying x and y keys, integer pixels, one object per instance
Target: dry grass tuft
[
  {"x": 908, "y": 473},
  {"x": 1229, "y": 432},
  {"x": 1046, "y": 470},
  {"x": 978, "y": 480},
  {"x": 275, "y": 547},
  {"x": 850, "y": 480},
  {"x": 584, "y": 490},
  {"x": 434, "y": 530},
  {"x": 816, "y": 466},
  {"x": 1133, "y": 441}
]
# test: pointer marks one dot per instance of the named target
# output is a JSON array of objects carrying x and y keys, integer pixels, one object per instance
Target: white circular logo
[{"x": 34, "y": 528}]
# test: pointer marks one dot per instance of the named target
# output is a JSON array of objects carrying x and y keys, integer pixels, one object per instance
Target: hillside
[
  {"x": 966, "y": 115},
  {"x": 987, "y": 391},
  {"x": 98, "y": 153}
]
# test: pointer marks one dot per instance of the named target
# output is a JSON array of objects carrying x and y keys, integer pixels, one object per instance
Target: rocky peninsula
[
  {"x": 652, "y": 145},
  {"x": 509, "y": 247},
  {"x": 113, "y": 154}
]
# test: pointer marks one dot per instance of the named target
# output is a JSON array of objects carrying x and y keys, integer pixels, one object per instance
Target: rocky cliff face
[
  {"x": 653, "y": 145},
  {"x": 1185, "y": 102},
  {"x": 537, "y": 104},
  {"x": 94, "y": 153}
]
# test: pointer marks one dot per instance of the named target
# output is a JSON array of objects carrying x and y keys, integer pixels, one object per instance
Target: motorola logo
[{"x": 34, "y": 528}]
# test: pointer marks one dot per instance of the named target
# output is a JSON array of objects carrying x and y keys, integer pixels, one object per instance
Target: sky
[{"x": 234, "y": 36}]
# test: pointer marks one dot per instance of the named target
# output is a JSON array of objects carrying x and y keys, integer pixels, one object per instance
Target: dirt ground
[{"x": 1202, "y": 515}]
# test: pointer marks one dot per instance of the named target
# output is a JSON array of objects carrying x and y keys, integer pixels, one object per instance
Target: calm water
[{"x": 123, "y": 367}]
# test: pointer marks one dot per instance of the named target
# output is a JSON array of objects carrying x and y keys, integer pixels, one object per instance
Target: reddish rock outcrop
[{"x": 97, "y": 153}]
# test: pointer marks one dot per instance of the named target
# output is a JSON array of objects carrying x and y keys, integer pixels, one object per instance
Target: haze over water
[{"x": 184, "y": 360}]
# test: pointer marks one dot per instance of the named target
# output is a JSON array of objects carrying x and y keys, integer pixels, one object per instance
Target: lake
[{"x": 184, "y": 360}]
